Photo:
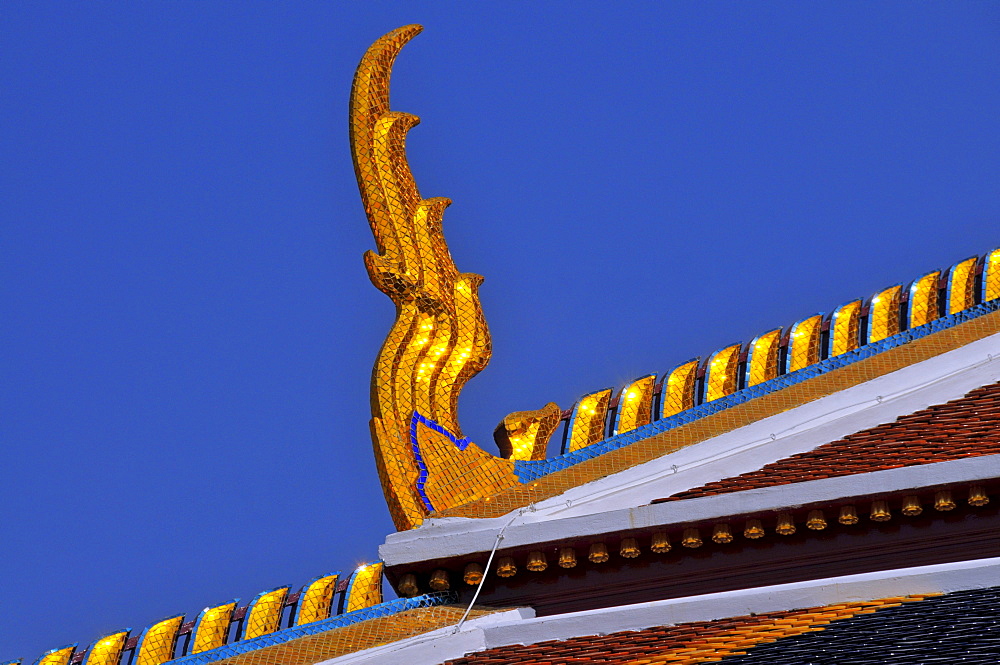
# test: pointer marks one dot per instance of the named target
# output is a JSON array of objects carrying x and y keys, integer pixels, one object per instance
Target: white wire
[{"x": 486, "y": 571}]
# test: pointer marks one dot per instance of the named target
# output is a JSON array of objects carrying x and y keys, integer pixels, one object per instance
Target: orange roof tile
[
  {"x": 698, "y": 642},
  {"x": 965, "y": 427}
]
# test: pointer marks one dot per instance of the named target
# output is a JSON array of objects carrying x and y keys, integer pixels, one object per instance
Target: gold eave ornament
[{"x": 439, "y": 339}]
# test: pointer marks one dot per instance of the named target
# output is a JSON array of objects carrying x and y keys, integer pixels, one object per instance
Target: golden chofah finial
[{"x": 439, "y": 339}]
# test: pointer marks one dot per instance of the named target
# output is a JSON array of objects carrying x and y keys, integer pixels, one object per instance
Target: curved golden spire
[{"x": 439, "y": 339}]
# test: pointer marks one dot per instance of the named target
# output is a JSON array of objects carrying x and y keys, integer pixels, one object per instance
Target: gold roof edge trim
[
  {"x": 324, "y": 598},
  {"x": 732, "y": 418}
]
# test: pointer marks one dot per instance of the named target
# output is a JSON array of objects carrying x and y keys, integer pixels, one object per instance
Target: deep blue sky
[{"x": 188, "y": 328}]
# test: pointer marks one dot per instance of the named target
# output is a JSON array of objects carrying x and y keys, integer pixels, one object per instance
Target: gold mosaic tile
[
  {"x": 586, "y": 425},
  {"x": 884, "y": 314},
  {"x": 156, "y": 645},
  {"x": 678, "y": 391},
  {"x": 212, "y": 627},
  {"x": 316, "y": 602},
  {"x": 734, "y": 417},
  {"x": 635, "y": 404},
  {"x": 845, "y": 328},
  {"x": 991, "y": 276},
  {"x": 962, "y": 285},
  {"x": 357, "y": 637},
  {"x": 722, "y": 375},
  {"x": 365, "y": 587},
  {"x": 58, "y": 656},
  {"x": 923, "y": 303},
  {"x": 762, "y": 360},
  {"x": 108, "y": 649},
  {"x": 264, "y": 614},
  {"x": 523, "y": 435},
  {"x": 804, "y": 343}
]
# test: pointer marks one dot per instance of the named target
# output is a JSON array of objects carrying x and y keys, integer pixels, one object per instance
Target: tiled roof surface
[
  {"x": 965, "y": 427},
  {"x": 961, "y": 627},
  {"x": 703, "y": 641}
]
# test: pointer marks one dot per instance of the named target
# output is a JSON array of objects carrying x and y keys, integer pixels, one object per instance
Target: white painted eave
[{"x": 460, "y": 536}]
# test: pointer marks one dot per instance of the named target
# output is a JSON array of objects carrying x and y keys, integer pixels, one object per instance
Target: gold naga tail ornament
[{"x": 439, "y": 339}]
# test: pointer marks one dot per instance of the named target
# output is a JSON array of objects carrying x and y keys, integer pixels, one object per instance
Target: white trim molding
[{"x": 520, "y": 626}]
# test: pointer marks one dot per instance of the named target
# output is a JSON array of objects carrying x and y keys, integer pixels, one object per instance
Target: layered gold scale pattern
[
  {"x": 586, "y": 425},
  {"x": 991, "y": 277},
  {"x": 845, "y": 325},
  {"x": 366, "y": 587},
  {"x": 212, "y": 627},
  {"x": 804, "y": 343},
  {"x": 156, "y": 645},
  {"x": 264, "y": 614},
  {"x": 519, "y": 434},
  {"x": 962, "y": 285},
  {"x": 763, "y": 357},
  {"x": 634, "y": 404},
  {"x": 722, "y": 376},
  {"x": 58, "y": 656},
  {"x": 924, "y": 299},
  {"x": 884, "y": 315},
  {"x": 108, "y": 649},
  {"x": 317, "y": 600},
  {"x": 679, "y": 389}
]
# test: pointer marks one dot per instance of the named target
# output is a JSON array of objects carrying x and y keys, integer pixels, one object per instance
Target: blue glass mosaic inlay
[{"x": 461, "y": 444}]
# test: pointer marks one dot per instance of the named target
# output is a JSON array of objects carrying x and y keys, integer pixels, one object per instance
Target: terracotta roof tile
[
  {"x": 965, "y": 427},
  {"x": 699, "y": 642}
]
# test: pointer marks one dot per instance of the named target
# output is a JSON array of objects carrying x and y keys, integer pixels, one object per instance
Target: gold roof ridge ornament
[{"x": 439, "y": 339}]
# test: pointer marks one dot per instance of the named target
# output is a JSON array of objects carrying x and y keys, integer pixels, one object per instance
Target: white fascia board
[
  {"x": 468, "y": 536},
  {"x": 937, "y": 380},
  {"x": 522, "y": 627}
]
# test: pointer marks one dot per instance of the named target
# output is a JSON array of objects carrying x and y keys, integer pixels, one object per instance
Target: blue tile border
[
  {"x": 288, "y": 634},
  {"x": 528, "y": 471}
]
